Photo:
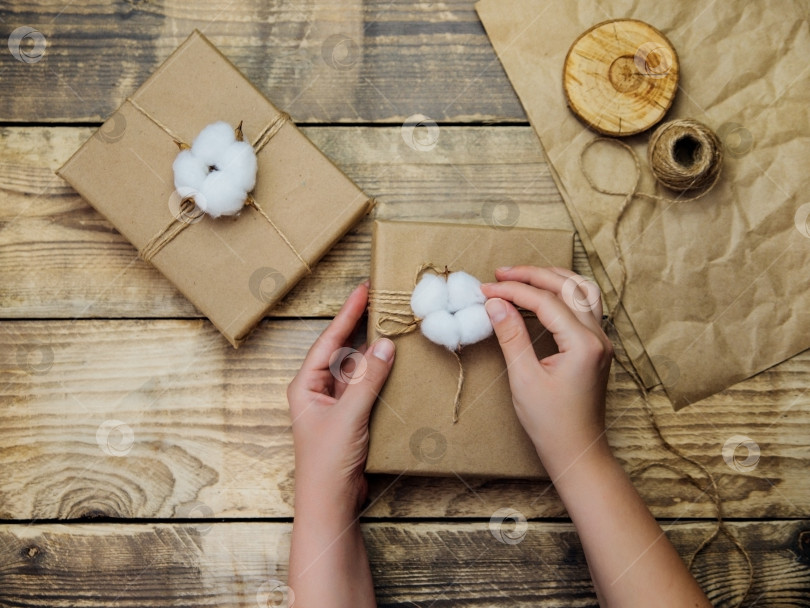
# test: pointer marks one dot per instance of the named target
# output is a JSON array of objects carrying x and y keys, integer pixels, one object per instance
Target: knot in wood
[{"x": 804, "y": 545}]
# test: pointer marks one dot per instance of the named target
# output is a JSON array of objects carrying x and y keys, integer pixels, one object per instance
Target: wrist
[
  {"x": 331, "y": 499},
  {"x": 583, "y": 459}
]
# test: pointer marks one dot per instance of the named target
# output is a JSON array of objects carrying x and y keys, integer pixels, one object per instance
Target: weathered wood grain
[
  {"x": 418, "y": 564},
  {"x": 155, "y": 416},
  {"x": 59, "y": 258},
  {"x": 353, "y": 61},
  {"x": 198, "y": 423}
]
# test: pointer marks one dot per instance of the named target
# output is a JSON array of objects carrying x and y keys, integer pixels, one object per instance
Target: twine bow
[{"x": 397, "y": 319}]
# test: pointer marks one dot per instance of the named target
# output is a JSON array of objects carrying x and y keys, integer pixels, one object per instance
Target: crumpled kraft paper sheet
[{"x": 717, "y": 289}]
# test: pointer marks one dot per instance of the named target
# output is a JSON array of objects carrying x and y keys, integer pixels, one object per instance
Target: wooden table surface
[{"x": 193, "y": 507}]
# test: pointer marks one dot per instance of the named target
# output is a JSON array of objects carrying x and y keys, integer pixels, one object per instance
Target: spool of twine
[{"x": 685, "y": 155}]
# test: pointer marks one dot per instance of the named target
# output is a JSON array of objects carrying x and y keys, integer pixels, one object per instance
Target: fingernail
[
  {"x": 486, "y": 285},
  {"x": 384, "y": 349},
  {"x": 365, "y": 283},
  {"x": 496, "y": 309},
  {"x": 504, "y": 268}
]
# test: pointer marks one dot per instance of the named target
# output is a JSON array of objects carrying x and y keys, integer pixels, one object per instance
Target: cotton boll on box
[
  {"x": 473, "y": 323},
  {"x": 442, "y": 327},
  {"x": 451, "y": 310},
  {"x": 288, "y": 202},
  {"x": 218, "y": 168},
  {"x": 211, "y": 141},
  {"x": 463, "y": 290},
  {"x": 429, "y": 295}
]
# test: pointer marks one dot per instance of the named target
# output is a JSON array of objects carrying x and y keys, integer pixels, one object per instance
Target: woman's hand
[
  {"x": 560, "y": 400},
  {"x": 330, "y": 406}
]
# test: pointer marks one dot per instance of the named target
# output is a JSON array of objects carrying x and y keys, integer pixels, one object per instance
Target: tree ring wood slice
[{"x": 620, "y": 77}]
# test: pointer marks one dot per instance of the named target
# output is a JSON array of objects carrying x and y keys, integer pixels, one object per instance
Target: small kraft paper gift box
[
  {"x": 232, "y": 268},
  {"x": 412, "y": 427}
]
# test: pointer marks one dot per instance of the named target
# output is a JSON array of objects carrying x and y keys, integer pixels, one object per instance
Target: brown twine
[
  {"x": 685, "y": 155},
  {"x": 707, "y": 186},
  {"x": 147, "y": 114},
  {"x": 394, "y": 309},
  {"x": 251, "y": 202},
  {"x": 270, "y": 130},
  {"x": 164, "y": 236},
  {"x": 677, "y": 172},
  {"x": 459, "y": 386},
  {"x": 395, "y": 306},
  {"x": 444, "y": 271},
  {"x": 711, "y": 490}
]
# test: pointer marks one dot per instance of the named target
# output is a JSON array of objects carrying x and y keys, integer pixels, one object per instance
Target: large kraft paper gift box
[
  {"x": 233, "y": 269},
  {"x": 412, "y": 429}
]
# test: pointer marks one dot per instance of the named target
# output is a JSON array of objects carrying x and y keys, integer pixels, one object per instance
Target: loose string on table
[
  {"x": 663, "y": 165},
  {"x": 177, "y": 225},
  {"x": 397, "y": 319},
  {"x": 629, "y": 196},
  {"x": 711, "y": 489}
]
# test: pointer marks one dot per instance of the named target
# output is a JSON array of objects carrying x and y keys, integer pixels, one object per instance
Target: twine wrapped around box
[
  {"x": 178, "y": 224},
  {"x": 232, "y": 268},
  {"x": 415, "y": 401},
  {"x": 395, "y": 309}
]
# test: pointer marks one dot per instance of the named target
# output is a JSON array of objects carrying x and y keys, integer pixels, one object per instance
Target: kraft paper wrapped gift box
[
  {"x": 412, "y": 429},
  {"x": 233, "y": 269}
]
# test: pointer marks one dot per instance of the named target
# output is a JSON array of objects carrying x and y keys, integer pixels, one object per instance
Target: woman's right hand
[{"x": 560, "y": 400}]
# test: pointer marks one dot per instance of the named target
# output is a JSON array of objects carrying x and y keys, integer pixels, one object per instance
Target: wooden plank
[
  {"x": 416, "y": 564},
  {"x": 372, "y": 61},
  {"x": 200, "y": 423},
  {"x": 59, "y": 258}
]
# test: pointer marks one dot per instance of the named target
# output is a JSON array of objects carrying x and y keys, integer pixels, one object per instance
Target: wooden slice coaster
[{"x": 621, "y": 76}]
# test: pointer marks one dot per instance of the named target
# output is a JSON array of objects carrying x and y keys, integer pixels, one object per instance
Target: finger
[
  {"x": 516, "y": 344},
  {"x": 338, "y": 331},
  {"x": 568, "y": 331},
  {"x": 367, "y": 380},
  {"x": 580, "y": 294},
  {"x": 588, "y": 292},
  {"x": 544, "y": 278}
]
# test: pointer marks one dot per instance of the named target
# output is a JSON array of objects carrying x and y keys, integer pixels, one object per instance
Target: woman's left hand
[{"x": 330, "y": 408}]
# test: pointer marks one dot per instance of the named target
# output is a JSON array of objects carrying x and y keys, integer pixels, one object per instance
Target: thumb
[
  {"x": 513, "y": 337},
  {"x": 362, "y": 391}
]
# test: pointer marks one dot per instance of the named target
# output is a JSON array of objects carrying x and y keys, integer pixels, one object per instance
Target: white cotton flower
[
  {"x": 239, "y": 161},
  {"x": 442, "y": 328},
  {"x": 219, "y": 170},
  {"x": 220, "y": 195},
  {"x": 429, "y": 295},
  {"x": 188, "y": 170},
  {"x": 212, "y": 140},
  {"x": 474, "y": 324},
  {"x": 463, "y": 290},
  {"x": 452, "y": 311}
]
